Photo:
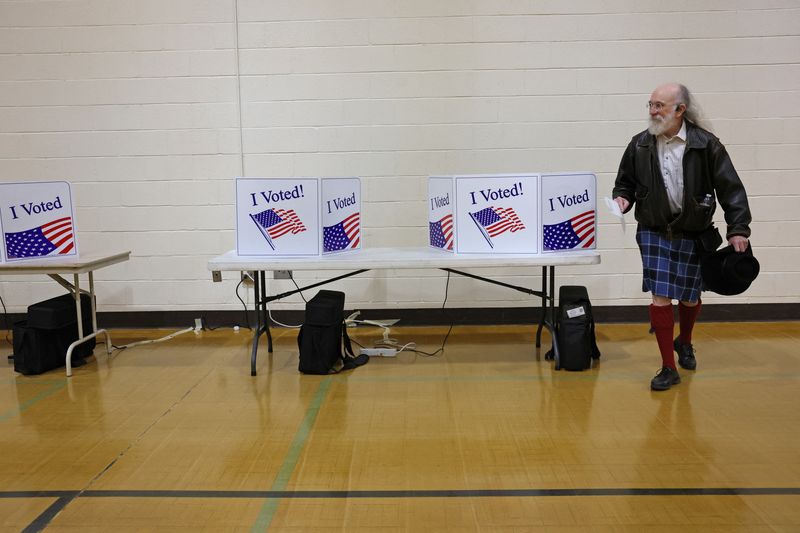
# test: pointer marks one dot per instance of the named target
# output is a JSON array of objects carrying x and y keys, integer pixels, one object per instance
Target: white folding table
[
  {"x": 366, "y": 259},
  {"x": 55, "y": 267}
]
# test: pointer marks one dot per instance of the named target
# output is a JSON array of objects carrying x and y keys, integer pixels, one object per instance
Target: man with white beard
[{"x": 674, "y": 173}]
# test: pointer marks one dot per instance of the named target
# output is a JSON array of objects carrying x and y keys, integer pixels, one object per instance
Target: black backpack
[
  {"x": 323, "y": 336},
  {"x": 577, "y": 343}
]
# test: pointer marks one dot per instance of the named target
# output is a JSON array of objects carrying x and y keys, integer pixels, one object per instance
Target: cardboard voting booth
[
  {"x": 569, "y": 212},
  {"x": 297, "y": 216},
  {"x": 37, "y": 221},
  {"x": 340, "y": 206},
  {"x": 529, "y": 213},
  {"x": 441, "y": 210}
]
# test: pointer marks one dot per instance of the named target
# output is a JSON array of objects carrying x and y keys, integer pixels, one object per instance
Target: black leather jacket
[{"x": 707, "y": 169}]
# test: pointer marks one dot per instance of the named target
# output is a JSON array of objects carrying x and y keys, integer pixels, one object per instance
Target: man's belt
[{"x": 673, "y": 233}]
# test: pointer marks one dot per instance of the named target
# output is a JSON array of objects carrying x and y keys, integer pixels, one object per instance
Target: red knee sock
[
  {"x": 687, "y": 317},
  {"x": 663, "y": 323}
]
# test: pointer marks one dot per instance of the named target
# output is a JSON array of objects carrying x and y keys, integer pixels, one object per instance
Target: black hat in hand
[{"x": 729, "y": 272}]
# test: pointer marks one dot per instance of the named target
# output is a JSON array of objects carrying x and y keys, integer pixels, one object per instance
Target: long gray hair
[{"x": 693, "y": 113}]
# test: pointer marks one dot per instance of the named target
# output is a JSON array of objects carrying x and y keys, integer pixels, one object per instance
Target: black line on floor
[
  {"x": 65, "y": 497},
  {"x": 450, "y": 493},
  {"x": 343, "y": 494},
  {"x": 37, "y": 494},
  {"x": 48, "y": 514}
]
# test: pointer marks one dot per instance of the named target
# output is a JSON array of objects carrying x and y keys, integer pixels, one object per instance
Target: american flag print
[
  {"x": 274, "y": 223},
  {"x": 441, "y": 232},
  {"x": 53, "y": 238},
  {"x": 342, "y": 236},
  {"x": 497, "y": 220},
  {"x": 577, "y": 232}
]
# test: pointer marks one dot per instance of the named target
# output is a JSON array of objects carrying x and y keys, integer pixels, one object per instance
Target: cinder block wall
[{"x": 151, "y": 108}]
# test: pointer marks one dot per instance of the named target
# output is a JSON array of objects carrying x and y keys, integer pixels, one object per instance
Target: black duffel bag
[{"x": 41, "y": 342}]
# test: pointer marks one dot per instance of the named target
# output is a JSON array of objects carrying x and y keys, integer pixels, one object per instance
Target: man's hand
[
  {"x": 738, "y": 242},
  {"x": 622, "y": 203}
]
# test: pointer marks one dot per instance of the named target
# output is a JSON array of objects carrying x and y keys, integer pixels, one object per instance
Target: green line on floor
[
  {"x": 290, "y": 462},
  {"x": 24, "y": 406}
]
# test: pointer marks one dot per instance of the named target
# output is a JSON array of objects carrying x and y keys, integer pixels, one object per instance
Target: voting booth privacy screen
[
  {"x": 512, "y": 213},
  {"x": 341, "y": 214},
  {"x": 569, "y": 212},
  {"x": 497, "y": 214},
  {"x": 297, "y": 216},
  {"x": 37, "y": 221}
]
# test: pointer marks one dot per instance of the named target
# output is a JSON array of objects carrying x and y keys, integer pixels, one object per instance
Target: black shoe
[
  {"x": 685, "y": 355},
  {"x": 665, "y": 378}
]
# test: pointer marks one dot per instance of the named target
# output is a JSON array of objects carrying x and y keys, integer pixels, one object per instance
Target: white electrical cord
[
  {"x": 410, "y": 345},
  {"x": 153, "y": 341},
  {"x": 269, "y": 311},
  {"x": 385, "y": 328},
  {"x": 386, "y": 342}
]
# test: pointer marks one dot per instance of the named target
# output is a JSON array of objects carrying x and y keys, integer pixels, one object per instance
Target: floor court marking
[
  {"x": 48, "y": 514},
  {"x": 65, "y": 498},
  {"x": 273, "y": 497},
  {"x": 293, "y": 455},
  {"x": 568, "y": 376},
  {"x": 277, "y": 492},
  {"x": 403, "y": 494},
  {"x": 24, "y": 406}
]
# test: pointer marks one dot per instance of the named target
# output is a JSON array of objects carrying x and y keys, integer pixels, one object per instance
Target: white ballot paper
[{"x": 615, "y": 210}]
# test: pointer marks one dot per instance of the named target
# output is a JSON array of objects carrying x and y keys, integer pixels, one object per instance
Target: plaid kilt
[{"x": 671, "y": 267}]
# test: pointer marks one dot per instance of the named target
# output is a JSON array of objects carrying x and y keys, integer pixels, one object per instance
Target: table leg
[
  {"x": 257, "y": 333},
  {"x": 93, "y": 301},
  {"x": 81, "y": 341},
  {"x": 254, "y": 353},
  {"x": 543, "y": 315},
  {"x": 78, "y": 311},
  {"x": 548, "y": 318},
  {"x": 262, "y": 318},
  {"x": 76, "y": 292},
  {"x": 76, "y": 289},
  {"x": 552, "y": 317},
  {"x": 264, "y": 311}
]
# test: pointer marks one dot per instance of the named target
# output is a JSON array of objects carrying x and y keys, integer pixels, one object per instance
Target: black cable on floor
[
  {"x": 5, "y": 320},
  {"x": 204, "y": 322},
  {"x": 447, "y": 335}
]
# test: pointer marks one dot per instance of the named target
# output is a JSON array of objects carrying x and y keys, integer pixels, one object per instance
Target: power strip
[{"x": 379, "y": 352}]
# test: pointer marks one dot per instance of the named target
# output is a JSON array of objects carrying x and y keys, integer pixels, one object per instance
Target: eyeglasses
[{"x": 658, "y": 106}]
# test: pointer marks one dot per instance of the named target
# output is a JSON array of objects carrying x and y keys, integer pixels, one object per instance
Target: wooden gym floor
[{"x": 177, "y": 436}]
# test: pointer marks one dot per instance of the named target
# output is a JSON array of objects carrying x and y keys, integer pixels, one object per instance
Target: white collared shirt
[{"x": 670, "y": 158}]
